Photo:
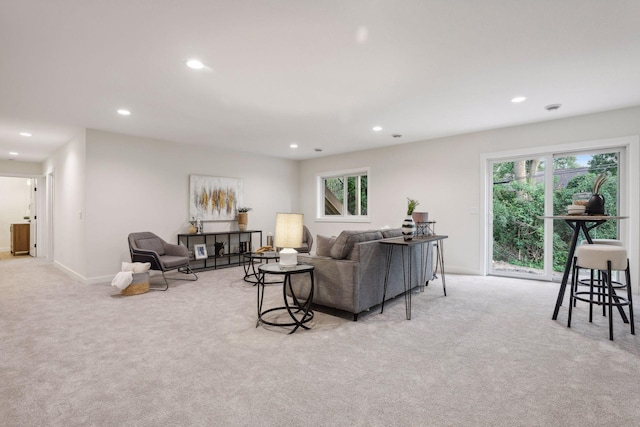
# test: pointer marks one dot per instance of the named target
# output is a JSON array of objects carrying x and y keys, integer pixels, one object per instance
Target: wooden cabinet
[{"x": 20, "y": 238}]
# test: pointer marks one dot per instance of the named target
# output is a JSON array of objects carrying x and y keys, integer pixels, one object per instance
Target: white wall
[
  {"x": 445, "y": 176},
  {"x": 16, "y": 197},
  {"x": 139, "y": 184},
  {"x": 14, "y": 168},
  {"x": 68, "y": 166}
]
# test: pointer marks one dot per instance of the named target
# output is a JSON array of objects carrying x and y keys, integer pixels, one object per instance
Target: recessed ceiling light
[
  {"x": 519, "y": 99},
  {"x": 25, "y": 134},
  {"x": 123, "y": 112},
  {"x": 377, "y": 128},
  {"x": 293, "y": 145},
  {"x": 13, "y": 153},
  {"x": 195, "y": 64}
]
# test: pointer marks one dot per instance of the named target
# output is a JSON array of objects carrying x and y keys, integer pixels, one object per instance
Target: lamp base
[{"x": 288, "y": 257}]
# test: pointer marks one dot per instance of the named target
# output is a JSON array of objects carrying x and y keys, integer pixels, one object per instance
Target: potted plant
[
  {"x": 408, "y": 225},
  {"x": 243, "y": 218},
  {"x": 595, "y": 205}
]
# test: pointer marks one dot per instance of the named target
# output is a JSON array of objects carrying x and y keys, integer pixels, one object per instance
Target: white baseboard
[
  {"x": 99, "y": 279},
  {"x": 461, "y": 270},
  {"x": 68, "y": 271},
  {"x": 85, "y": 280}
]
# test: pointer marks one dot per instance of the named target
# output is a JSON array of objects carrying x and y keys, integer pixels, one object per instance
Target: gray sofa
[{"x": 349, "y": 272}]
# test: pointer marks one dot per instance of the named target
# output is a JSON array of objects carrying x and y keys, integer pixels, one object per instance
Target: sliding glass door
[
  {"x": 518, "y": 189},
  {"x": 574, "y": 174},
  {"x": 523, "y": 189}
]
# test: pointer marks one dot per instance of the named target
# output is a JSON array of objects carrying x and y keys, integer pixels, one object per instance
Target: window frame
[
  {"x": 628, "y": 175},
  {"x": 345, "y": 217}
]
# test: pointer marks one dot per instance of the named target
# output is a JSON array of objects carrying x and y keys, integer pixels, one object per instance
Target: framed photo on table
[{"x": 200, "y": 251}]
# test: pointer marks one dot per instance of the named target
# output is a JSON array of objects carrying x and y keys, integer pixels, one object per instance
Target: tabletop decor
[
  {"x": 289, "y": 231},
  {"x": 243, "y": 218},
  {"x": 196, "y": 225},
  {"x": 219, "y": 248},
  {"x": 595, "y": 206},
  {"x": 200, "y": 251},
  {"x": 408, "y": 225}
]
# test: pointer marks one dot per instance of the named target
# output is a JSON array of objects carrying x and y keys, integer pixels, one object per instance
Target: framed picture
[
  {"x": 213, "y": 198},
  {"x": 200, "y": 251}
]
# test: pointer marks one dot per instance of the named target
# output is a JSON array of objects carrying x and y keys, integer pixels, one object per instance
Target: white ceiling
[{"x": 320, "y": 73}]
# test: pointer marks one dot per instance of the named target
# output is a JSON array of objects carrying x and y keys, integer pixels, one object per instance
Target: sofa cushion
[
  {"x": 392, "y": 232},
  {"x": 325, "y": 243},
  {"x": 345, "y": 241}
]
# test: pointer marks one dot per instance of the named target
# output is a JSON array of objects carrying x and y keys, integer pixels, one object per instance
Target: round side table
[
  {"x": 298, "y": 312},
  {"x": 249, "y": 261}
]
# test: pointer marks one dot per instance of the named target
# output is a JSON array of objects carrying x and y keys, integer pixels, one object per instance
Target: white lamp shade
[{"x": 289, "y": 230}]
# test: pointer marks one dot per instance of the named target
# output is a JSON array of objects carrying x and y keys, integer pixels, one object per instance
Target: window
[{"x": 342, "y": 196}]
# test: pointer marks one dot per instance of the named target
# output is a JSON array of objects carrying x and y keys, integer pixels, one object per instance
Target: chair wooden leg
[
  {"x": 610, "y": 299},
  {"x": 629, "y": 293},
  {"x": 574, "y": 285}
]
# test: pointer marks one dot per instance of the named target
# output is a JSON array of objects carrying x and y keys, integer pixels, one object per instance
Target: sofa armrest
[{"x": 330, "y": 276}]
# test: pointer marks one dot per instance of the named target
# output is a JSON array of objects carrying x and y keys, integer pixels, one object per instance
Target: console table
[
  {"x": 409, "y": 245},
  {"x": 234, "y": 245}
]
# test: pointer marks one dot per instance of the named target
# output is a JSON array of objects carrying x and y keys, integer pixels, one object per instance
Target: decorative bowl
[
  {"x": 576, "y": 209},
  {"x": 581, "y": 199}
]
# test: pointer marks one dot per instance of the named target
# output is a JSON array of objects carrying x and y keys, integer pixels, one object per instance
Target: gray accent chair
[
  {"x": 307, "y": 241},
  {"x": 147, "y": 247}
]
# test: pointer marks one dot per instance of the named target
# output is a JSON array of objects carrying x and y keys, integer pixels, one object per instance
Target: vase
[
  {"x": 219, "y": 248},
  {"x": 595, "y": 205},
  {"x": 243, "y": 220},
  {"x": 408, "y": 228}
]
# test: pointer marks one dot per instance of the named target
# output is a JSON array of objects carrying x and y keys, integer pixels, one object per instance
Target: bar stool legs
[{"x": 604, "y": 260}]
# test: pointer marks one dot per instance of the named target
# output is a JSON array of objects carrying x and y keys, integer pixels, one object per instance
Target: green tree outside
[{"x": 517, "y": 230}]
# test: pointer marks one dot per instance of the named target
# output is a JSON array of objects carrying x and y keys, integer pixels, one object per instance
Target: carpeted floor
[{"x": 487, "y": 354}]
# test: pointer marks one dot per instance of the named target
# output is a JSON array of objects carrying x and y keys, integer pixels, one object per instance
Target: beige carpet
[{"x": 487, "y": 354}]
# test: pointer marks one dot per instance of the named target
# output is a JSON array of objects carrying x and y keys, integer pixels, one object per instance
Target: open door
[{"x": 33, "y": 213}]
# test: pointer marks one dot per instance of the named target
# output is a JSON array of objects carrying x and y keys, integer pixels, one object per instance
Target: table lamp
[{"x": 288, "y": 236}]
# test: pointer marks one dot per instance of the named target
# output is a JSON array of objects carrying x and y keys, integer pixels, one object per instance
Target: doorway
[
  {"x": 23, "y": 199},
  {"x": 16, "y": 215}
]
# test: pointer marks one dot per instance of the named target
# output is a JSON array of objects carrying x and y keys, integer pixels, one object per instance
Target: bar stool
[
  {"x": 599, "y": 282},
  {"x": 605, "y": 259}
]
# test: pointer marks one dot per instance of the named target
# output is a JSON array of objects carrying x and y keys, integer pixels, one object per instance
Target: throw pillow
[
  {"x": 325, "y": 243},
  {"x": 136, "y": 267},
  {"x": 122, "y": 280}
]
